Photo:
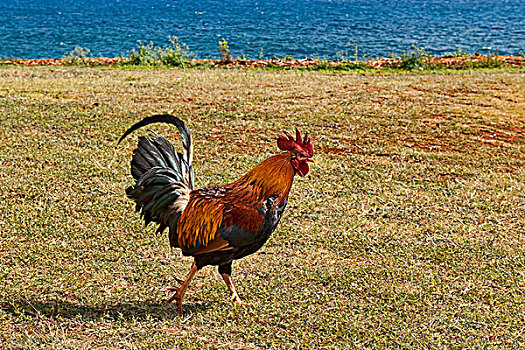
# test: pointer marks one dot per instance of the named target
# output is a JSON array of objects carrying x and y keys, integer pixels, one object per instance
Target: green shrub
[
  {"x": 175, "y": 54},
  {"x": 323, "y": 63},
  {"x": 144, "y": 55},
  {"x": 225, "y": 53},
  {"x": 243, "y": 57},
  {"x": 459, "y": 53},
  {"x": 488, "y": 61},
  {"x": 348, "y": 66},
  {"x": 414, "y": 59},
  {"x": 343, "y": 56},
  {"x": 77, "y": 57}
]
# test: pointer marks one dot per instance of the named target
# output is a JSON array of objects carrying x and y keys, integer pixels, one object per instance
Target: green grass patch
[{"x": 407, "y": 232}]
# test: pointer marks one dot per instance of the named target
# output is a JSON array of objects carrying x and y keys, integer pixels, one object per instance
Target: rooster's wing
[{"x": 214, "y": 221}]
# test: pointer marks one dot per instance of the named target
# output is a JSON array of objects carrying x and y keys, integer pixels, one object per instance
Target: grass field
[{"x": 407, "y": 233}]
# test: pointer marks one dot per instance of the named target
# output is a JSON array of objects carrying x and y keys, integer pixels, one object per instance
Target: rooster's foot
[
  {"x": 177, "y": 297},
  {"x": 179, "y": 292},
  {"x": 237, "y": 301}
]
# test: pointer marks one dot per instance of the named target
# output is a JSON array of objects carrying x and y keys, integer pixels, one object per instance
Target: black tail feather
[
  {"x": 170, "y": 119},
  {"x": 156, "y": 151},
  {"x": 164, "y": 177}
]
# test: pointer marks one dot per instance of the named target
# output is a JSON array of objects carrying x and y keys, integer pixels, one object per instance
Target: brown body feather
[{"x": 235, "y": 204}]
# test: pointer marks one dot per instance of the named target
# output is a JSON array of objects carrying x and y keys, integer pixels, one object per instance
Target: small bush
[
  {"x": 349, "y": 66},
  {"x": 77, "y": 57},
  {"x": 224, "y": 49},
  {"x": 414, "y": 59},
  {"x": 144, "y": 55},
  {"x": 488, "y": 61},
  {"x": 175, "y": 54},
  {"x": 323, "y": 63},
  {"x": 343, "y": 57},
  {"x": 459, "y": 53},
  {"x": 243, "y": 57}
]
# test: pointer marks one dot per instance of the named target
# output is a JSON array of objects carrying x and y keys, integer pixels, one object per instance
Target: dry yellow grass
[{"x": 407, "y": 232}]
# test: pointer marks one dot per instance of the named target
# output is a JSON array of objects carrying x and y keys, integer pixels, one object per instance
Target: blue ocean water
[{"x": 51, "y": 28}]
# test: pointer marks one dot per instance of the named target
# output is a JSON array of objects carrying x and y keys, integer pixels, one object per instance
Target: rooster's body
[{"x": 217, "y": 224}]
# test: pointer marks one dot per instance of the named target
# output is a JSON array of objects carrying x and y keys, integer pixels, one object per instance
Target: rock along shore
[{"x": 378, "y": 63}]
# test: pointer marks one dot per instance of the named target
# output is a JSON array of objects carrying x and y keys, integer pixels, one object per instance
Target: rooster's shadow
[{"x": 137, "y": 310}]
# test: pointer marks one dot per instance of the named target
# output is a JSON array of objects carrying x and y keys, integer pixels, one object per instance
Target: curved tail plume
[
  {"x": 156, "y": 152},
  {"x": 164, "y": 177},
  {"x": 169, "y": 119}
]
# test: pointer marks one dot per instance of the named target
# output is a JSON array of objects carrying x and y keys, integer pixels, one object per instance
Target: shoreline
[{"x": 304, "y": 63}]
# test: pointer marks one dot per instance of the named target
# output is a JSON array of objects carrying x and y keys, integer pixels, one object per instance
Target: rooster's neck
[{"x": 272, "y": 177}]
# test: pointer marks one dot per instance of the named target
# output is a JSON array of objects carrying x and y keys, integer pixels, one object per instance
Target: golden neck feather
[{"x": 274, "y": 176}]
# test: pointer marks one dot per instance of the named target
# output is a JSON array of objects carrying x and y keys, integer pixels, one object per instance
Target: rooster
[{"x": 216, "y": 224}]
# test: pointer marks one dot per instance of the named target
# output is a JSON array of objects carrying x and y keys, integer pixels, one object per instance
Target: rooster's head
[{"x": 301, "y": 150}]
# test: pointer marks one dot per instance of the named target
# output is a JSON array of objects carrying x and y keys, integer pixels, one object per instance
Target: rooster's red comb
[{"x": 301, "y": 144}]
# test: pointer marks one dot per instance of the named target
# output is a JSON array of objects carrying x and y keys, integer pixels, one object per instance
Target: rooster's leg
[
  {"x": 179, "y": 294},
  {"x": 174, "y": 289},
  {"x": 235, "y": 297}
]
